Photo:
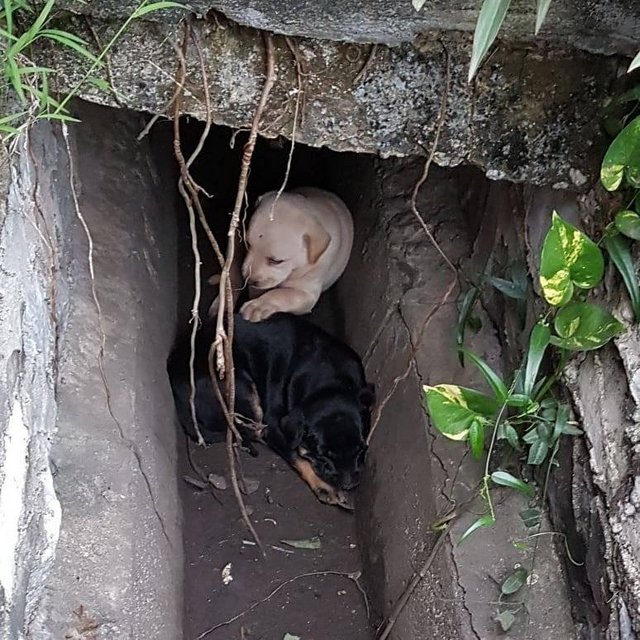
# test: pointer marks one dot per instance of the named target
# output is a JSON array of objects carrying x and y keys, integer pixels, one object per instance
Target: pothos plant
[{"x": 524, "y": 412}]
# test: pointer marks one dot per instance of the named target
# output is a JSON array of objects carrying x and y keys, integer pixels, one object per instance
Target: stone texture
[
  {"x": 603, "y": 26},
  {"x": 414, "y": 476},
  {"x": 530, "y": 115},
  {"x": 102, "y": 555},
  {"x": 29, "y": 321}
]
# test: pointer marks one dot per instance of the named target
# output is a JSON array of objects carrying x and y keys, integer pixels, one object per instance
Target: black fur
[{"x": 311, "y": 387}]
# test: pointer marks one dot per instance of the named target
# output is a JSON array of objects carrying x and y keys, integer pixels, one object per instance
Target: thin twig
[
  {"x": 402, "y": 601},
  {"x": 367, "y": 64},
  {"x": 351, "y": 576}
]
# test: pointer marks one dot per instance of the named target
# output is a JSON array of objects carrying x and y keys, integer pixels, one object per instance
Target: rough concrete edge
[{"x": 30, "y": 513}]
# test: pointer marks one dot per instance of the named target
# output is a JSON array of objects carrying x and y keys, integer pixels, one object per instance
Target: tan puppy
[{"x": 297, "y": 247}]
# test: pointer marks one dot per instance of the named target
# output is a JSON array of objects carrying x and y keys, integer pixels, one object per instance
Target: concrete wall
[
  {"x": 92, "y": 514},
  {"x": 414, "y": 477},
  {"x": 529, "y": 115}
]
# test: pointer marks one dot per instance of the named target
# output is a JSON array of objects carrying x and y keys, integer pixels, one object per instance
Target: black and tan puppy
[{"x": 314, "y": 399}]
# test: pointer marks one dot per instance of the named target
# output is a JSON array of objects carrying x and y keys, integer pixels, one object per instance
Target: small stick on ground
[
  {"x": 401, "y": 603},
  {"x": 414, "y": 208},
  {"x": 354, "y": 577}
]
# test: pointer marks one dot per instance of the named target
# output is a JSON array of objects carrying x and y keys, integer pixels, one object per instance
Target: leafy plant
[
  {"x": 521, "y": 411},
  {"x": 490, "y": 19},
  {"x": 28, "y": 83}
]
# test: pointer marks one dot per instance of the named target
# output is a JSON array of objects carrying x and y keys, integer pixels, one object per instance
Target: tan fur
[{"x": 297, "y": 247}]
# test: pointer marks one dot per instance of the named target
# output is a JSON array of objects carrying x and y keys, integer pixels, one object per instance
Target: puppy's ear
[
  {"x": 292, "y": 427},
  {"x": 367, "y": 396},
  {"x": 316, "y": 242}
]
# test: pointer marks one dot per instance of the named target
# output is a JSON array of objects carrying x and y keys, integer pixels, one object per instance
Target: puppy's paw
[
  {"x": 258, "y": 309},
  {"x": 332, "y": 496}
]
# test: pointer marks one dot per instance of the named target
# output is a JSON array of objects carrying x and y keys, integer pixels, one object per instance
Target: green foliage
[
  {"x": 622, "y": 159},
  {"x": 541, "y": 13},
  {"x": 582, "y": 326},
  {"x": 619, "y": 249},
  {"x": 568, "y": 258},
  {"x": 490, "y": 20},
  {"x": 30, "y": 84}
]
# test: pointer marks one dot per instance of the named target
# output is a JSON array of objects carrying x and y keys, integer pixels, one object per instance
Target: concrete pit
[{"x": 141, "y": 552}]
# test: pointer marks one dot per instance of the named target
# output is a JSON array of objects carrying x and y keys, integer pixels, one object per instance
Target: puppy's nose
[{"x": 351, "y": 482}]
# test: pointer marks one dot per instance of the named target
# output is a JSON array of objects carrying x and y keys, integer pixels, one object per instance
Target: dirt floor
[{"x": 314, "y": 607}]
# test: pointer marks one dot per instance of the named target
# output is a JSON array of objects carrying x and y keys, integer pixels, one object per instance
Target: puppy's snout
[{"x": 350, "y": 481}]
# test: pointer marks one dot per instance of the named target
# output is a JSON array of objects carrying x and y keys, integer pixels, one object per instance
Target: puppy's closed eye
[{"x": 274, "y": 261}]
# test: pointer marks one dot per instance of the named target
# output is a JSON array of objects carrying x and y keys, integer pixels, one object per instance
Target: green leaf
[
  {"x": 569, "y": 258},
  {"x": 562, "y": 425},
  {"x": 71, "y": 44},
  {"x": 453, "y": 409},
  {"x": 531, "y": 436},
  {"x": 531, "y": 517},
  {"x": 537, "y": 452},
  {"x": 484, "y": 521},
  {"x": 538, "y": 343},
  {"x": 635, "y": 63},
  {"x": 101, "y": 84},
  {"x": 8, "y": 14},
  {"x": 628, "y": 223},
  {"x": 145, "y": 8},
  {"x": 620, "y": 254},
  {"x": 464, "y": 316},
  {"x": 582, "y": 326},
  {"x": 311, "y": 543},
  {"x": 476, "y": 439},
  {"x": 508, "y": 288},
  {"x": 418, "y": 4},
  {"x": 622, "y": 156},
  {"x": 489, "y": 22},
  {"x": 541, "y": 13},
  {"x": 512, "y": 436},
  {"x": 289, "y": 636},
  {"x": 32, "y": 33},
  {"x": 493, "y": 379},
  {"x": 507, "y": 480},
  {"x": 514, "y": 582},
  {"x": 505, "y": 619}
]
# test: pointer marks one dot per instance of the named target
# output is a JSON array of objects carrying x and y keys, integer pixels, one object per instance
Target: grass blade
[
  {"x": 538, "y": 343},
  {"x": 620, "y": 253},
  {"x": 32, "y": 32},
  {"x": 635, "y": 63},
  {"x": 508, "y": 288},
  {"x": 71, "y": 44},
  {"x": 484, "y": 521},
  {"x": 8, "y": 15},
  {"x": 489, "y": 22},
  {"x": 498, "y": 387},
  {"x": 466, "y": 307},
  {"x": 145, "y": 8},
  {"x": 507, "y": 480},
  {"x": 541, "y": 13}
]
